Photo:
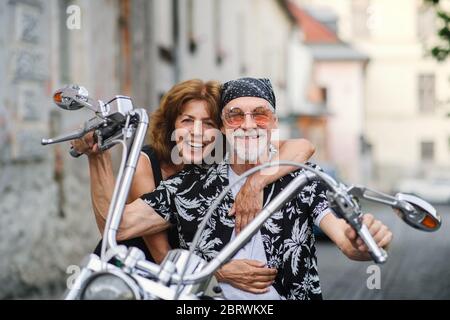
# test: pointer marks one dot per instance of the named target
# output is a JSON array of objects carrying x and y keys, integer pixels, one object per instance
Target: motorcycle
[{"x": 124, "y": 273}]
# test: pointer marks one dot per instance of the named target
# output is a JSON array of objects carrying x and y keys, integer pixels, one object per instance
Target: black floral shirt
[{"x": 288, "y": 236}]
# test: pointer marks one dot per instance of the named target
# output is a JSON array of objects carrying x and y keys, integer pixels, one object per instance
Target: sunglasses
[{"x": 235, "y": 117}]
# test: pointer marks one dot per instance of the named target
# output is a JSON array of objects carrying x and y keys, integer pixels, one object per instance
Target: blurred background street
[
  {"x": 418, "y": 266},
  {"x": 355, "y": 77}
]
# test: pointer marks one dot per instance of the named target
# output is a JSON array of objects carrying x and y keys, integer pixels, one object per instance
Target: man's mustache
[{"x": 250, "y": 133}]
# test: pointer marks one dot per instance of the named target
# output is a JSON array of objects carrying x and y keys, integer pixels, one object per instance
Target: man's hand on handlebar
[
  {"x": 248, "y": 275},
  {"x": 380, "y": 232}
]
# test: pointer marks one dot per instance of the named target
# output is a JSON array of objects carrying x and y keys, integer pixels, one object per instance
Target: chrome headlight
[{"x": 110, "y": 285}]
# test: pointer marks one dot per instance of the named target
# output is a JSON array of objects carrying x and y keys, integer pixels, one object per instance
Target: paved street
[{"x": 418, "y": 266}]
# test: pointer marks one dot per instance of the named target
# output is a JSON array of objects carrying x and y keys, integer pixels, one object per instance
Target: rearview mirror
[
  {"x": 72, "y": 97},
  {"x": 417, "y": 212}
]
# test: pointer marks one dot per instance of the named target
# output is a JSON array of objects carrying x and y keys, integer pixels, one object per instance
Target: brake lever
[
  {"x": 89, "y": 125},
  {"x": 361, "y": 192},
  {"x": 77, "y": 134}
]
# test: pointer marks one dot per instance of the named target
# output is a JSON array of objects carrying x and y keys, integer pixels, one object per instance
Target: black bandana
[{"x": 247, "y": 87}]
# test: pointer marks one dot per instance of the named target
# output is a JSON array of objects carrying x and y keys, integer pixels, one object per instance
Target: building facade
[
  {"x": 407, "y": 96},
  {"x": 328, "y": 103}
]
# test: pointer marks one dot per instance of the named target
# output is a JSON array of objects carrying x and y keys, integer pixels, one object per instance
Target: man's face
[{"x": 247, "y": 124}]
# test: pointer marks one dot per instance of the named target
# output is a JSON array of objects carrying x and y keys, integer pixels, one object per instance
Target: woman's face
[{"x": 194, "y": 132}]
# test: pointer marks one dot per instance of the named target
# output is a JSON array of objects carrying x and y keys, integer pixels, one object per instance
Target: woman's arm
[
  {"x": 249, "y": 200},
  {"x": 144, "y": 182},
  {"x": 297, "y": 150},
  {"x": 101, "y": 174},
  {"x": 102, "y": 186}
]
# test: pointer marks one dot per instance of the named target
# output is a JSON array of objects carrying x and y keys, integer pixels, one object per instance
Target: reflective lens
[{"x": 235, "y": 117}]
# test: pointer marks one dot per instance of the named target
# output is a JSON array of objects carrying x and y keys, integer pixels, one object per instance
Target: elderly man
[{"x": 284, "y": 247}]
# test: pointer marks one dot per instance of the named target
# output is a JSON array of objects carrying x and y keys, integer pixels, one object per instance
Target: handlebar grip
[
  {"x": 379, "y": 255},
  {"x": 74, "y": 153}
]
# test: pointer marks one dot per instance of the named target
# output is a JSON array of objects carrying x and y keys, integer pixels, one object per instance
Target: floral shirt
[{"x": 287, "y": 235}]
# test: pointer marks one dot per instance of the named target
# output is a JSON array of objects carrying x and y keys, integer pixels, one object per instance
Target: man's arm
[
  {"x": 347, "y": 239},
  {"x": 139, "y": 219},
  {"x": 249, "y": 200}
]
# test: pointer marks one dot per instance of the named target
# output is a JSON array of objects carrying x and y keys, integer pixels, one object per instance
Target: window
[
  {"x": 426, "y": 88},
  {"x": 427, "y": 151},
  {"x": 64, "y": 43},
  {"x": 425, "y": 22},
  {"x": 175, "y": 28},
  {"x": 318, "y": 94},
  {"x": 360, "y": 18},
  {"x": 166, "y": 54},
  {"x": 242, "y": 41},
  {"x": 217, "y": 32},
  {"x": 192, "y": 43}
]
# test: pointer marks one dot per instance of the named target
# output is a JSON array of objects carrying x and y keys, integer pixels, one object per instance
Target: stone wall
[{"x": 46, "y": 222}]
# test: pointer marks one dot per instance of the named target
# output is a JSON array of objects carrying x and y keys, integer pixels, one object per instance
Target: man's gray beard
[{"x": 252, "y": 154}]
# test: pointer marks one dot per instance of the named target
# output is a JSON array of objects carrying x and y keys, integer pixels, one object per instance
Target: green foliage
[{"x": 441, "y": 51}]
